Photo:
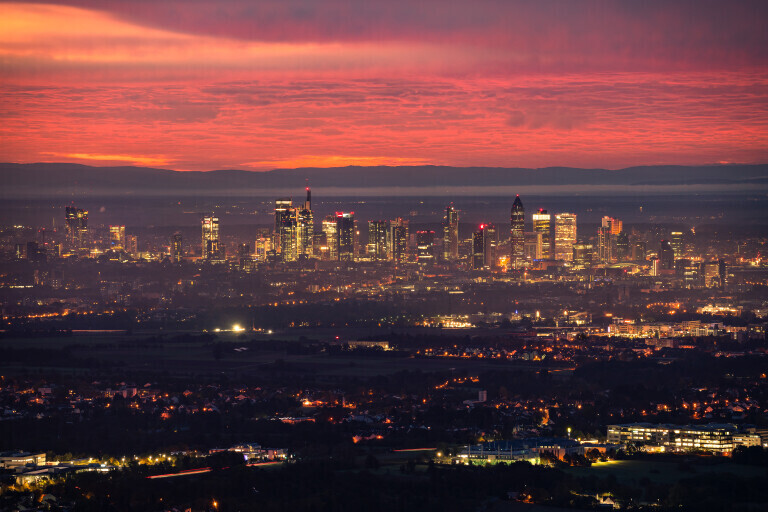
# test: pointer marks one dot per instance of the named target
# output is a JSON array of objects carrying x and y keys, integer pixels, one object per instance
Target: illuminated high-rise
[
  {"x": 212, "y": 249},
  {"x": 517, "y": 234},
  {"x": 329, "y": 229},
  {"x": 478, "y": 248},
  {"x": 378, "y": 249},
  {"x": 131, "y": 244},
  {"x": 582, "y": 254},
  {"x": 490, "y": 246},
  {"x": 76, "y": 229},
  {"x": 565, "y": 236},
  {"x": 425, "y": 247},
  {"x": 306, "y": 227},
  {"x": 285, "y": 219},
  {"x": 606, "y": 239},
  {"x": 621, "y": 244},
  {"x": 176, "y": 248},
  {"x": 451, "y": 234},
  {"x": 117, "y": 238},
  {"x": 676, "y": 242},
  {"x": 345, "y": 236},
  {"x": 666, "y": 256},
  {"x": 398, "y": 239},
  {"x": 542, "y": 223}
]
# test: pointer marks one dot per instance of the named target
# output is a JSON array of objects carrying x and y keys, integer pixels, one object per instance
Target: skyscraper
[
  {"x": 478, "y": 248},
  {"x": 517, "y": 234},
  {"x": 117, "y": 238},
  {"x": 329, "y": 229},
  {"x": 425, "y": 247},
  {"x": 565, "y": 236},
  {"x": 377, "y": 239},
  {"x": 582, "y": 254},
  {"x": 285, "y": 219},
  {"x": 306, "y": 227},
  {"x": 490, "y": 245},
  {"x": 212, "y": 249},
  {"x": 398, "y": 239},
  {"x": 76, "y": 229},
  {"x": 345, "y": 236},
  {"x": 176, "y": 248},
  {"x": 666, "y": 256},
  {"x": 131, "y": 244},
  {"x": 451, "y": 234},
  {"x": 542, "y": 224},
  {"x": 676, "y": 241},
  {"x": 622, "y": 246},
  {"x": 604, "y": 244}
]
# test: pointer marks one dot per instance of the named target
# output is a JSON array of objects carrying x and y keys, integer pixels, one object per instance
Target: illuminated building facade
[
  {"x": 213, "y": 251},
  {"x": 713, "y": 438},
  {"x": 565, "y": 236},
  {"x": 345, "y": 236},
  {"x": 478, "y": 249},
  {"x": 425, "y": 247},
  {"x": 582, "y": 254},
  {"x": 490, "y": 245},
  {"x": 329, "y": 229},
  {"x": 76, "y": 223},
  {"x": 517, "y": 234},
  {"x": 378, "y": 248},
  {"x": 534, "y": 246},
  {"x": 176, "y": 250},
  {"x": 677, "y": 243},
  {"x": 117, "y": 238},
  {"x": 666, "y": 255},
  {"x": 131, "y": 244},
  {"x": 451, "y": 234},
  {"x": 542, "y": 223},
  {"x": 398, "y": 243},
  {"x": 306, "y": 228}
]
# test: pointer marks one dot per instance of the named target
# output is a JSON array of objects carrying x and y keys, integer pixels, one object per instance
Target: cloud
[{"x": 133, "y": 159}]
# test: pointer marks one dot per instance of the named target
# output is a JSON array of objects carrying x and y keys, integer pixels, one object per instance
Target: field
[
  {"x": 631, "y": 472},
  {"x": 151, "y": 353}
]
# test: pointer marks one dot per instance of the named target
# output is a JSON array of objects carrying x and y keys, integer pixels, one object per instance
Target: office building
[
  {"x": 582, "y": 254},
  {"x": 478, "y": 249},
  {"x": 451, "y": 234},
  {"x": 345, "y": 236},
  {"x": 306, "y": 228},
  {"x": 565, "y": 236},
  {"x": 131, "y": 245},
  {"x": 490, "y": 245},
  {"x": 542, "y": 223},
  {"x": 517, "y": 234},
  {"x": 666, "y": 256},
  {"x": 176, "y": 251},
  {"x": 213, "y": 250},
  {"x": 714, "y": 437},
  {"x": 378, "y": 250},
  {"x": 76, "y": 225},
  {"x": 534, "y": 246},
  {"x": 329, "y": 230},
  {"x": 621, "y": 244},
  {"x": 285, "y": 222},
  {"x": 677, "y": 244},
  {"x": 425, "y": 247},
  {"x": 117, "y": 238},
  {"x": 398, "y": 240}
]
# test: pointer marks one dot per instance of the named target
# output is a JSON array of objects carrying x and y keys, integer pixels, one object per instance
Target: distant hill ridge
[{"x": 61, "y": 178}]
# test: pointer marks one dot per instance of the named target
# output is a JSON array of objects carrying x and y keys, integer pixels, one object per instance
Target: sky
[{"x": 258, "y": 85}]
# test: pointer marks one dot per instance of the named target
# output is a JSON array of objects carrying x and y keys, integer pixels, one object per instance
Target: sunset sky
[{"x": 200, "y": 85}]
